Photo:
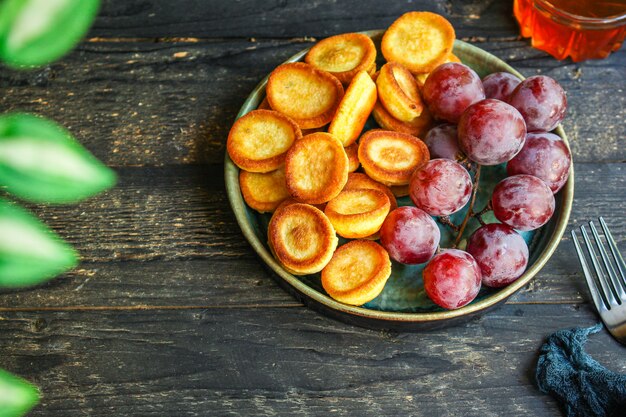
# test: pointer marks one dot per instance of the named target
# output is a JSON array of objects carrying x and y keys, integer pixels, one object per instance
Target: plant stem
[
  {"x": 479, "y": 215},
  {"x": 446, "y": 220},
  {"x": 471, "y": 207}
]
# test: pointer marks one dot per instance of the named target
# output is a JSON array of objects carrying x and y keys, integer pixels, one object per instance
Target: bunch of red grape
[{"x": 490, "y": 122}]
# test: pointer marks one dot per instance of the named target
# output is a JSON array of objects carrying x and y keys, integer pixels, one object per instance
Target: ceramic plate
[{"x": 403, "y": 304}]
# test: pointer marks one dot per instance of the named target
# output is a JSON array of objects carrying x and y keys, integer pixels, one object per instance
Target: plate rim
[{"x": 237, "y": 203}]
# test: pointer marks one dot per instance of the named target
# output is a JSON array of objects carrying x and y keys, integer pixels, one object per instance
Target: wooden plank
[
  {"x": 212, "y": 282},
  {"x": 285, "y": 361},
  {"x": 174, "y": 102},
  {"x": 166, "y": 236},
  {"x": 147, "y": 104},
  {"x": 285, "y": 19},
  {"x": 220, "y": 282}
]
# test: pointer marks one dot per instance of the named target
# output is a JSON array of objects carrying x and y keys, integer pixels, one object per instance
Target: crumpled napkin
[{"x": 582, "y": 386}]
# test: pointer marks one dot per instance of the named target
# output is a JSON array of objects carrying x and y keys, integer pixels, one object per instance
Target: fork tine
[
  {"x": 618, "y": 291},
  {"x": 617, "y": 256},
  {"x": 604, "y": 288},
  {"x": 595, "y": 295}
]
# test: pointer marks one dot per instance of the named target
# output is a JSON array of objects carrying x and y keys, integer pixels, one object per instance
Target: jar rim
[{"x": 583, "y": 22}]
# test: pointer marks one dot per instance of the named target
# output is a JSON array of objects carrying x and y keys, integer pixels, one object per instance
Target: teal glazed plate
[{"x": 403, "y": 304}]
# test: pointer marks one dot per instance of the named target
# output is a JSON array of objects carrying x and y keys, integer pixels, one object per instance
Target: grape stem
[
  {"x": 465, "y": 161},
  {"x": 470, "y": 211},
  {"x": 446, "y": 220},
  {"x": 479, "y": 215}
]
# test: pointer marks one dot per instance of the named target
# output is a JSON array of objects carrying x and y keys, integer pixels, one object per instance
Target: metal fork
[{"x": 608, "y": 286}]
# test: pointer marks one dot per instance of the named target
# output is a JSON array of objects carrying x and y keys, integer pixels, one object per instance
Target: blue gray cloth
[{"x": 582, "y": 386}]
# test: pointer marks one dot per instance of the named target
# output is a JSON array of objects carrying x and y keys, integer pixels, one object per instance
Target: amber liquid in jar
[{"x": 582, "y": 29}]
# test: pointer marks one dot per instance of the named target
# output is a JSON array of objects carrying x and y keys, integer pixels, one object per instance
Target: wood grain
[
  {"x": 288, "y": 19},
  {"x": 146, "y": 103},
  {"x": 285, "y": 361},
  {"x": 138, "y": 103},
  {"x": 172, "y": 314}
]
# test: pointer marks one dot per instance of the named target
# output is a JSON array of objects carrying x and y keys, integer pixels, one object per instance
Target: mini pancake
[
  {"x": 263, "y": 191},
  {"x": 417, "y": 127},
  {"x": 306, "y": 94},
  {"x": 398, "y": 92},
  {"x": 357, "y": 272},
  {"x": 354, "y": 109},
  {"x": 357, "y": 180},
  {"x": 391, "y": 157},
  {"x": 421, "y": 77},
  {"x": 316, "y": 168},
  {"x": 358, "y": 213},
  {"x": 259, "y": 140},
  {"x": 343, "y": 55},
  {"x": 372, "y": 70},
  {"x": 418, "y": 40},
  {"x": 400, "y": 190},
  {"x": 301, "y": 238},
  {"x": 352, "y": 152}
]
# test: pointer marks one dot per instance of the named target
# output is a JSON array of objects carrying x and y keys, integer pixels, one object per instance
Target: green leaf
[
  {"x": 41, "y": 162},
  {"x": 37, "y": 32},
  {"x": 17, "y": 396},
  {"x": 30, "y": 253}
]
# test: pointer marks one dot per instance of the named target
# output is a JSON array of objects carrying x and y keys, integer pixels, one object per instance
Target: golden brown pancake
[
  {"x": 417, "y": 127},
  {"x": 398, "y": 92},
  {"x": 301, "y": 238},
  {"x": 358, "y": 213},
  {"x": 316, "y": 168},
  {"x": 263, "y": 191},
  {"x": 354, "y": 109},
  {"x": 308, "y": 95},
  {"x": 343, "y": 55},
  {"x": 357, "y": 180},
  {"x": 391, "y": 157},
  {"x": 420, "y": 41},
  {"x": 259, "y": 140},
  {"x": 357, "y": 272}
]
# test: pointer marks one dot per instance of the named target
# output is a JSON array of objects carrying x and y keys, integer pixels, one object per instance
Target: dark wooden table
[{"x": 171, "y": 313}]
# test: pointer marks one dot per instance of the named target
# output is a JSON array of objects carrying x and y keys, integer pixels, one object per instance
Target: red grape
[
  {"x": 500, "y": 85},
  {"x": 452, "y": 279},
  {"x": 409, "y": 235},
  {"x": 491, "y": 132},
  {"x": 500, "y": 252},
  {"x": 523, "y": 202},
  {"x": 442, "y": 142},
  {"x": 545, "y": 156},
  {"x": 450, "y": 89},
  {"x": 441, "y": 187},
  {"x": 542, "y": 102}
]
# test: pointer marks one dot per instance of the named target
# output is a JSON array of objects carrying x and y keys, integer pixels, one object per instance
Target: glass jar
[{"x": 562, "y": 33}]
